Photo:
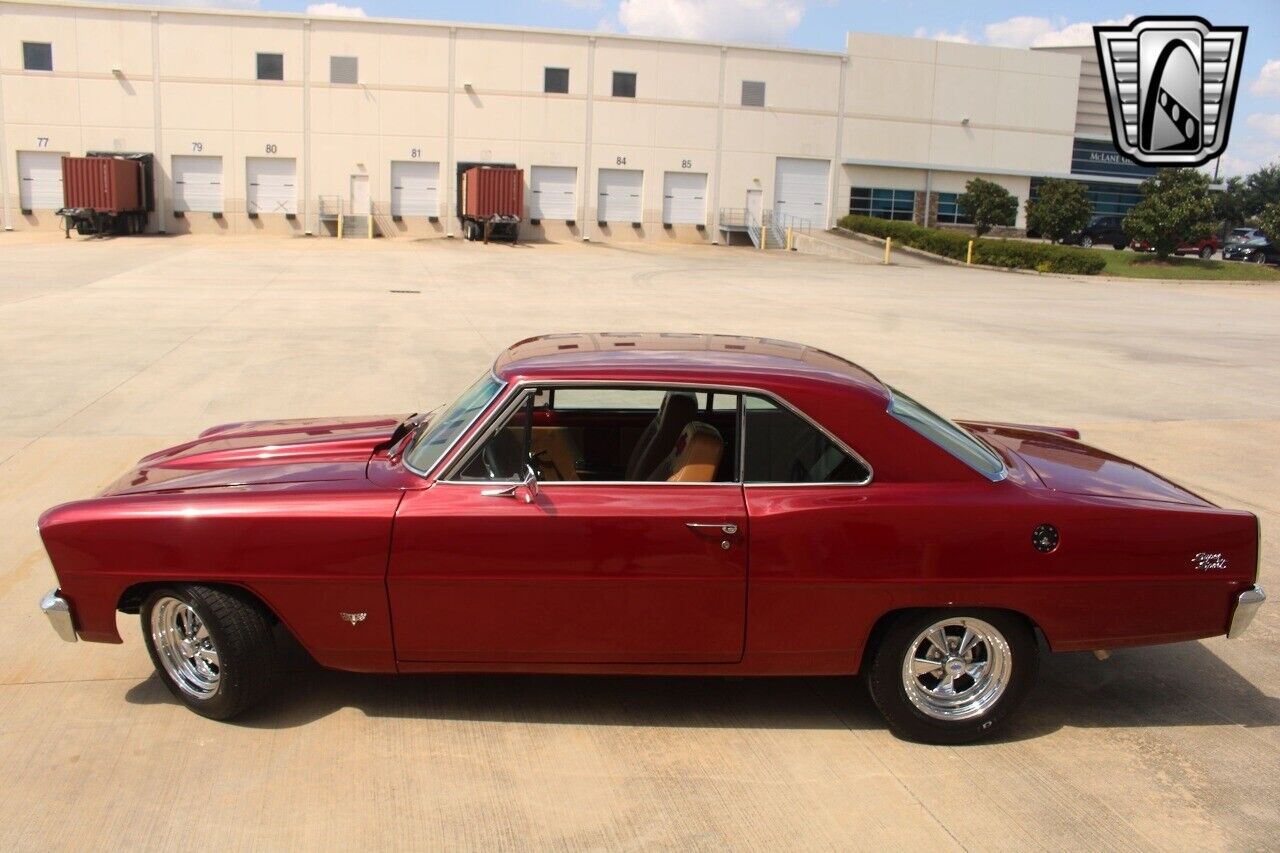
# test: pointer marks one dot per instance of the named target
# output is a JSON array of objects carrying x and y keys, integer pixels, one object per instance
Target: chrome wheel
[
  {"x": 185, "y": 648},
  {"x": 957, "y": 668}
]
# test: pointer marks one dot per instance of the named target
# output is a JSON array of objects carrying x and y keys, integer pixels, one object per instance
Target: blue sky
[{"x": 821, "y": 25}]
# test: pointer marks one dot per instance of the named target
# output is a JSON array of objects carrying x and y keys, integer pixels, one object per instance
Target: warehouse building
[{"x": 290, "y": 124}]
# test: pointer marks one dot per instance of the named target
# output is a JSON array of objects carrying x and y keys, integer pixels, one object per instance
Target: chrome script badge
[{"x": 1171, "y": 86}]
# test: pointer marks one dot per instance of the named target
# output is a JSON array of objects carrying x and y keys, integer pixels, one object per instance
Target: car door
[{"x": 568, "y": 571}]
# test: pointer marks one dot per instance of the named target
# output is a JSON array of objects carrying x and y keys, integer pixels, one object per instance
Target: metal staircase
[
  {"x": 334, "y": 220},
  {"x": 765, "y": 232}
]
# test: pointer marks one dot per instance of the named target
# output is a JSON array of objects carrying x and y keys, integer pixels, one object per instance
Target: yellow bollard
[
  {"x": 370, "y": 218},
  {"x": 339, "y": 226},
  {"x": 888, "y": 247},
  {"x": 790, "y": 240},
  {"x": 969, "y": 258}
]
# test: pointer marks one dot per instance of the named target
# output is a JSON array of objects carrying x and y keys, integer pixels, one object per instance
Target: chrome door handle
[{"x": 728, "y": 528}]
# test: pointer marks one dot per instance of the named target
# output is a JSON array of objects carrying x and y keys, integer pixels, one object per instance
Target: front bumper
[
  {"x": 58, "y": 609},
  {"x": 1247, "y": 604}
]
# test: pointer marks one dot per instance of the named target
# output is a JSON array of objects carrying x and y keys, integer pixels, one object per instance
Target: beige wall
[{"x": 904, "y": 101}]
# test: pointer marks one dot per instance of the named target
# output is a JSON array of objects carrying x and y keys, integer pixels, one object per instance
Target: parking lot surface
[{"x": 112, "y": 349}]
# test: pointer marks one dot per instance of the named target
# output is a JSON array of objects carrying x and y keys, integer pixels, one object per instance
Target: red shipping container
[
  {"x": 488, "y": 191},
  {"x": 102, "y": 184}
]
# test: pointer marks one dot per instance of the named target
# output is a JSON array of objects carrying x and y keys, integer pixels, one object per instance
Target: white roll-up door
[
  {"x": 272, "y": 185},
  {"x": 197, "y": 183},
  {"x": 620, "y": 195},
  {"x": 40, "y": 180},
  {"x": 800, "y": 189},
  {"x": 684, "y": 198},
  {"x": 553, "y": 192},
  {"x": 415, "y": 188}
]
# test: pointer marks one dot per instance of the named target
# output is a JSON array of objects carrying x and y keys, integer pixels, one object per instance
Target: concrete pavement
[{"x": 111, "y": 349}]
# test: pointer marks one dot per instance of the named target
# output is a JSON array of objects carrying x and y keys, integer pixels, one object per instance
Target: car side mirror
[{"x": 529, "y": 484}]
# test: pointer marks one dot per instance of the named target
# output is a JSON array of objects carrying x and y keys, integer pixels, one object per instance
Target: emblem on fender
[
  {"x": 1206, "y": 562},
  {"x": 353, "y": 618}
]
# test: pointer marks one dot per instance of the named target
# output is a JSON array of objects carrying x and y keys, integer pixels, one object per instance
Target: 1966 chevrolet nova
[{"x": 673, "y": 504}]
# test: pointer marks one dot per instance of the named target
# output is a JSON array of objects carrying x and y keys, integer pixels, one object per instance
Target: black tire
[
  {"x": 886, "y": 681},
  {"x": 240, "y": 631},
  {"x": 1119, "y": 247},
  {"x": 1206, "y": 253},
  {"x": 1086, "y": 242}
]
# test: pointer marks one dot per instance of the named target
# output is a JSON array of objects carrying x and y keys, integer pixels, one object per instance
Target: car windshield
[
  {"x": 951, "y": 438},
  {"x": 445, "y": 428}
]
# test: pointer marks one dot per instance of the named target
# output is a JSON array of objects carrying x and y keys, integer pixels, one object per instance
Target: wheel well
[
  {"x": 131, "y": 599},
  {"x": 882, "y": 624}
]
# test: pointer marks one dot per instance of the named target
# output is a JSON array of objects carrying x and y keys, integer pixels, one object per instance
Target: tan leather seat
[
  {"x": 695, "y": 457},
  {"x": 677, "y": 411}
]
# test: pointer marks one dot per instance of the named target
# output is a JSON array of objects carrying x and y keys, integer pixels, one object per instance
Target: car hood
[
  {"x": 262, "y": 452},
  {"x": 1067, "y": 465}
]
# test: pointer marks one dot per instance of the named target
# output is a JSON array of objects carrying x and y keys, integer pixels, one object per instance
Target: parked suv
[{"x": 1102, "y": 230}]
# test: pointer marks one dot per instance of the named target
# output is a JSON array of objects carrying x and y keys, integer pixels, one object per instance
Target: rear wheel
[
  {"x": 213, "y": 648},
  {"x": 1206, "y": 253},
  {"x": 1086, "y": 242},
  {"x": 952, "y": 676}
]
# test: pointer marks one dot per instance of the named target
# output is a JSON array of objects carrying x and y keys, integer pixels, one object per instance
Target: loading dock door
[
  {"x": 272, "y": 185},
  {"x": 620, "y": 198},
  {"x": 197, "y": 183},
  {"x": 684, "y": 198},
  {"x": 415, "y": 188},
  {"x": 553, "y": 192},
  {"x": 40, "y": 180},
  {"x": 800, "y": 190}
]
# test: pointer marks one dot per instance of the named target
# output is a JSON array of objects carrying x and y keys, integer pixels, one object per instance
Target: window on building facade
[
  {"x": 344, "y": 69},
  {"x": 555, "y": 81},
  {"x": 949, "y": 210},
  {"x": 270, "y": 66},
  {"x": 1106, "y": 198},
  {"x": 624, "y": 84},
  {"x": 882, "y": 203},
  {"x": 752, "y": 93},
  {"x": 37, "y": 56}
]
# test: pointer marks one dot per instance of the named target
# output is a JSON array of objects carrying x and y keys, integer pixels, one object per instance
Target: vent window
[
  {"x": 752, "y": 93},
  {"x": 624, "y": 84},
  {"x": 37, "y": 56},
  {"x": 344, "y": 69},
  {"x": 270, "y": 66},
  {"x": 555, "y": 81}
]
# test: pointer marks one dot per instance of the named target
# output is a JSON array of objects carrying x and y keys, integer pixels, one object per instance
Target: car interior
[{"x": 657, "y": 435}]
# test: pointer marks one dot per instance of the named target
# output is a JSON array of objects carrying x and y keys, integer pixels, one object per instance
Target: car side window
[{"x": 782, "y": 447}]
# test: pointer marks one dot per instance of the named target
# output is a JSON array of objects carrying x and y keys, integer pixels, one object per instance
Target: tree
[
  {"x": 1261, "y": 188},
  {"x": 1231, "y": 204},
  {"x": 1061, "y": 208},
  {"x": 1175, "y": 210},
  {"x": 987, "y": 204},
  {"x": 1269, "y": 222}
]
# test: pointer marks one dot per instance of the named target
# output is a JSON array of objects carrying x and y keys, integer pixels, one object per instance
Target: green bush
[{"x": 1013, "y": 254}]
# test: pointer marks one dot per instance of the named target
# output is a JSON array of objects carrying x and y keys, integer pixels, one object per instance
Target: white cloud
[
  {"x": 1268, "y": 82},
  {"x": 760, "y": 21},
  {"x": 1266, "y": 124},
  {"x": 1030, "y": 31},
  {"x": 335, "y": 10},
  {"x": 960, "y": 35}
]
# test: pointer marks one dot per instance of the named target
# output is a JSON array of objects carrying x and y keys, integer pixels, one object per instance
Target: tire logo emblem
[{"x": 1171, "y": 86}]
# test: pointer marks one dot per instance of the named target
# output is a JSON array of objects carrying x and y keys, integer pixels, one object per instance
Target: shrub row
[{"x": 1012, "y": 254}]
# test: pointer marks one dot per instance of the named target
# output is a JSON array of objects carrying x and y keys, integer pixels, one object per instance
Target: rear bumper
[
  {"x": 1247, "y": 604},
  {"x": 58, "y": 609}
]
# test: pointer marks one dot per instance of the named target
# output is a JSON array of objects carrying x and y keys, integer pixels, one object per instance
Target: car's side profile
[{"x": 653, "y": 504}]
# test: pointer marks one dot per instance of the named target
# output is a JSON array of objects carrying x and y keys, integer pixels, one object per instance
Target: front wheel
[
  {"x": 1206, "y": 253},
  {"x": 213, "y": 648},
  {"x": 952, "y": 676}
]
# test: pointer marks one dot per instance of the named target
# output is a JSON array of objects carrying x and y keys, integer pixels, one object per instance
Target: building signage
[{"x": 1100, "y": 157}]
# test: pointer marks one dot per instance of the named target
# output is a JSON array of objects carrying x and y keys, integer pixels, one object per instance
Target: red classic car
[
  {"x": 1205, "y": 248},
  {"x": 673, "y": 504}
]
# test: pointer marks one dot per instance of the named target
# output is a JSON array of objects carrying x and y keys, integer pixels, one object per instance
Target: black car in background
[
  {"x": 1258, "y": 250},
  {"x": 1102, "y": 230}
]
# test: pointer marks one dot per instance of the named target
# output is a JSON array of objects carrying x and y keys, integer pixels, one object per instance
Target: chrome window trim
[
  {"x": 463, "y": 458},
  {"x": 998, "y": 477},
  {"x": 504, "y": 386}
]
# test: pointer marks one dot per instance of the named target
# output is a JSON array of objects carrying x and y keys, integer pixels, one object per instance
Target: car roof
[{"x": 714, "y": 359}]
